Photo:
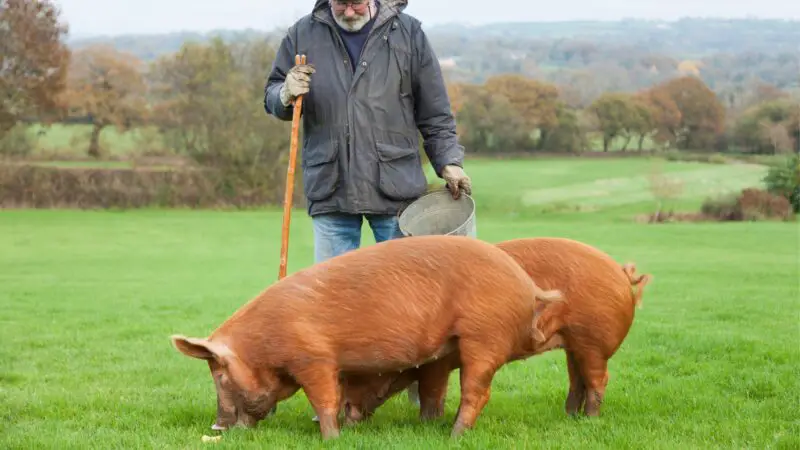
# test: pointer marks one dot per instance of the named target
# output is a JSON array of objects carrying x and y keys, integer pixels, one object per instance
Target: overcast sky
[{"x": 91, "y": 17}]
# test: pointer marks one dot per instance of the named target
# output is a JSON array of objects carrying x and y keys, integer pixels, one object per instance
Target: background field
[
  {"x": 90, "y": 298},
  {"x": 73, "y": 139}
]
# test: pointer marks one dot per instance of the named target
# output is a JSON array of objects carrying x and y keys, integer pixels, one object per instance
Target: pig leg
[
  {"x": 433, "y": 379},
  {"x": 402, "y": 381},
  {"x": 577, "y": 388},
  {"x": 595, "y": 373},
  {"x": 366, "y": 395},
  {"x": 321, "y": 386},
  {"x": 476, "y": 381}
]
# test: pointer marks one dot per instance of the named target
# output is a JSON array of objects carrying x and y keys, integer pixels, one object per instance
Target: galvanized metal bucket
[{"x": 438, "y": 213}]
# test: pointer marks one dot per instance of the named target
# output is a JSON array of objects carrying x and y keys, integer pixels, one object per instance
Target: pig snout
[
  {"x": 243, "y": 422},
  {"x": 352, "y": 414},
  {"x": 244, "y": 418}
]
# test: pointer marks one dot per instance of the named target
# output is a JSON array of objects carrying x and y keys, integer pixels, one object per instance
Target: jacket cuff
[
  {"x": 445, "y": 155},
  {"x": 273, "y": 105}
]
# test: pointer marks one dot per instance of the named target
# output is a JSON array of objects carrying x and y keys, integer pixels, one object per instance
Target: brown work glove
[
  {"x": 457, "y": 181},
  {"x": 297, "y": 81}
]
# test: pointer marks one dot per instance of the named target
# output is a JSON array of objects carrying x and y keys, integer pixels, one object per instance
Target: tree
[
  {"x": 488, "y": 122},
  {"x": 535, "y": 102},
  {"x": 107, "y": 86},
  {"x": 569, "y": 134},
  {"x": 770, "y": 127},
  {"x": 793, "y": 125},
  {"x": 616, "y": 114},
  {"x": 579, "y": 88},
  {"x": 642, "y": 121},
  {"x": 778, "y": 136},
  {"x": 207, "y": 107},
  {"x": 664, "y": 114},
  {"x": 455, "y": 91},
  {"x": 689, "y": 67},
  {"x": 33, "y": 61},
  {"x": 702, "y": 115}
]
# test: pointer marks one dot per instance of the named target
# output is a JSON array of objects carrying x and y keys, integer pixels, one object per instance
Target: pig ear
[
  {"x": 196, "y": 347},
  {"x": 536, "y": 332}
]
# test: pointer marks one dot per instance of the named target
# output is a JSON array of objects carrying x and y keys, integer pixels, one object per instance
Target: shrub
[
  {"x": 783, "y": 178},
  {"x": 16, "y": 142},
  {"x": 32, "y": 186},
  {"x": 716, "y": 158},
  {"x": 750, "y": 205},
  {"x": 756, "y": 204},
  {"x": 721, "y": 208},
  {"x": 711, "y": 158}
]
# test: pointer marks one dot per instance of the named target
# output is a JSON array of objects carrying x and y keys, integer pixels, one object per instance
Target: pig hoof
[
  {"x": 332, "y": 434},
  {"x": 574, "y": 404},
  {"x": 573, "y": 409},
  {"x": 458, "y": 430},
  {"x": 431, "y": 413},
  {"x": 315, "y": 419},
  {"x": 592, "y": 412}
]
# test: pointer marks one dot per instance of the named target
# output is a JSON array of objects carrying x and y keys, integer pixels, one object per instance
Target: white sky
[{"x": 92, "y": 17}]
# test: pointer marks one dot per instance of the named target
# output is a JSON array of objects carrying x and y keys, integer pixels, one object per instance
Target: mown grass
[
  {"x": 616, "y": 189},
  {"x": 90, "y": 298},
  {"x": 73, "y": 139}
]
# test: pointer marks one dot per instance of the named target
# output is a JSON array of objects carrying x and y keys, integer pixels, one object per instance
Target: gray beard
[{"x": 356, "y": 24}]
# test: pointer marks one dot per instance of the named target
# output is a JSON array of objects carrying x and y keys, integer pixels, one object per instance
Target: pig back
[
  {"x": 600, "y": 303},
  {"x": 391, "y": 305}
]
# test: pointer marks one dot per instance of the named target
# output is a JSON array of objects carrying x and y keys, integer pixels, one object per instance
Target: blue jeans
[{"x": 335, "y": 234}]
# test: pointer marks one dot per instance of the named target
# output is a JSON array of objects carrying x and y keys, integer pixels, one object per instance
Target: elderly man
[{"x": 371, "y": 87}]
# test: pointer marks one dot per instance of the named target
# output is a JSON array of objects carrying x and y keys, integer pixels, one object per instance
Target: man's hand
[
  {"x": 457, "y": 181},
  {"x": 296, "y": 83}
]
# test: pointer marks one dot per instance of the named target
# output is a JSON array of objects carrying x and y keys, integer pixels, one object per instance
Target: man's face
[{"x": 352, "y": 15}]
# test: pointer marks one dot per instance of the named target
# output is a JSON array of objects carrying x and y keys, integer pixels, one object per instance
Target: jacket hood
[{"x": 399, "y": 5}]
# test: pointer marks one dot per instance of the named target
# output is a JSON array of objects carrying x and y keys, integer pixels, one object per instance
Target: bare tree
[{"x": 663, "y": 188}]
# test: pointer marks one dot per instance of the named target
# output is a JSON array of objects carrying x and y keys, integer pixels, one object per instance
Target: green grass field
[
  {"x": 90, "y": 298},
  {"x": 73, "y": 140}
]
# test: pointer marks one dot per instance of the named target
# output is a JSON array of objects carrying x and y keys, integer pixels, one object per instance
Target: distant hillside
[
  {"x": 595, "y": 56},
  {"x": 684, "y": 38},
  {"x": 148, "y": 47}
]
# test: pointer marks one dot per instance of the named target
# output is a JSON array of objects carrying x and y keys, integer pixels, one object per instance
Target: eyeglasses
[{"x": 359, "y": 6}]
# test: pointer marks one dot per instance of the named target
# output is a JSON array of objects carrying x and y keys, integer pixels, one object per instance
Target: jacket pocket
[
  {"x": 400, "y": 175},
  {"x": 321, "y": 170}
]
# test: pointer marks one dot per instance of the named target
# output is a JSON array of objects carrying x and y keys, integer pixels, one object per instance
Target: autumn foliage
[
  {"x": 203, "y": 105},
  {"x": 108, "y": 86},
  {"x": 515, "y": 113},
  {"x": 33, "y": 61},
  {"x": 206, "y": 104},
  {"x": 702, "y": 116}
]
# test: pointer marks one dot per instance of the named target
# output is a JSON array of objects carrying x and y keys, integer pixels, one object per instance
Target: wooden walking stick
[{"x": 287, "y": 199}]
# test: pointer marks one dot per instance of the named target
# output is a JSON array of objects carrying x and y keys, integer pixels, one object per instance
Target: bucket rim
[{"x": 436, "y": 192}]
